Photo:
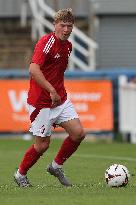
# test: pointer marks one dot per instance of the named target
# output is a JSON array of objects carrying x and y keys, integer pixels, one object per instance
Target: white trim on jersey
[
  {"x": 49, "y": 44},
  {"x": 69, "y": 52}
]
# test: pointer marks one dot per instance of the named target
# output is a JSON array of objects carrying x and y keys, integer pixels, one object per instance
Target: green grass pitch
[{"x": 85, "y": 169}]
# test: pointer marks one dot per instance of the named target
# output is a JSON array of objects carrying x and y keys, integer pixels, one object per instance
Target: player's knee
[
  {"x": 80, "y": 135},
  {"x": 42, "y": 147}
]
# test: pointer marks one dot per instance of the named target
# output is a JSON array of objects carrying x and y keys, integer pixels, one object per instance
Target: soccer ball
[{"x": 117, "y": 175}]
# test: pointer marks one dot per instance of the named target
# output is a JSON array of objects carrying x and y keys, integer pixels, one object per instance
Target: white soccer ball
[{"x": 117, "y": 175}]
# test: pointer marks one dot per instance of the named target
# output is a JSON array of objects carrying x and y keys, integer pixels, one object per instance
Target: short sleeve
[{"x": 39, "y": 56}]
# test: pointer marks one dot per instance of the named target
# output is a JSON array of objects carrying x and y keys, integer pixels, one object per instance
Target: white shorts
[{"x": 47, "y": 117}]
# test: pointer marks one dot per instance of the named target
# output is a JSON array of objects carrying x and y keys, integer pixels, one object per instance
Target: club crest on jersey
[{"x": 57, "y": 56}]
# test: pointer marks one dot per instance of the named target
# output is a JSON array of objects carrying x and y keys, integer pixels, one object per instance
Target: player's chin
[{"x": 65, "y": 37}]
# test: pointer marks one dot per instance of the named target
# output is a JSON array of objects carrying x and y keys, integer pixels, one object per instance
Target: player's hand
[{"x": 56, "y": 99}]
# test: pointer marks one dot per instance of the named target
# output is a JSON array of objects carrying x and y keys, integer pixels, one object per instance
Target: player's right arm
[{"x": 38, "y": 76}]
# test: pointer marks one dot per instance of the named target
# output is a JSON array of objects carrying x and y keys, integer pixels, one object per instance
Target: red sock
[
  {"x": 30, "y": 158},
  {"x": 67, "y": 149}
]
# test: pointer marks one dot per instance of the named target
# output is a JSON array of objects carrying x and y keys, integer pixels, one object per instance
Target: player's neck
[{"x": 61, "y": 41}]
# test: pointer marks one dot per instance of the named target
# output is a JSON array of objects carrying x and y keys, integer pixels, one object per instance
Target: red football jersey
[{"x": 52, "y": 56}]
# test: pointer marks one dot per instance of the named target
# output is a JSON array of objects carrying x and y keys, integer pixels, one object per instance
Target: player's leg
[
  {"x": 69, "y": 146},
  {"x": 41, "y": 129},
  {"x": 33, "y": 153},
  {"x": 31, "y": 156},
  {"x": 70, "y": 122}
]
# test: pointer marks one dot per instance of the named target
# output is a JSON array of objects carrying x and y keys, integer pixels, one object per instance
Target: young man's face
[{"x": 63, "y": 30}]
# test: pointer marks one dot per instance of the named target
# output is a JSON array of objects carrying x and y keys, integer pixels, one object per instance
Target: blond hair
[{"x": 64, "y": 15}]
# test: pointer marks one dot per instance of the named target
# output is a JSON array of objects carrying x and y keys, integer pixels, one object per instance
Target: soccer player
[{"x": 48, "y": 102}]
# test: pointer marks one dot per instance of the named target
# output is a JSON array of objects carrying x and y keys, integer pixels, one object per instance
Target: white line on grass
[{"x": 104, "y": 157}]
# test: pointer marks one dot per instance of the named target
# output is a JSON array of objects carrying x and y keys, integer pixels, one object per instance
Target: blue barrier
[{"x": 103, "y": 73}]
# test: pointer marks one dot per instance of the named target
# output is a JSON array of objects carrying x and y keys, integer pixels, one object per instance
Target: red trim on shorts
[{"x": 34, "y": 114}]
